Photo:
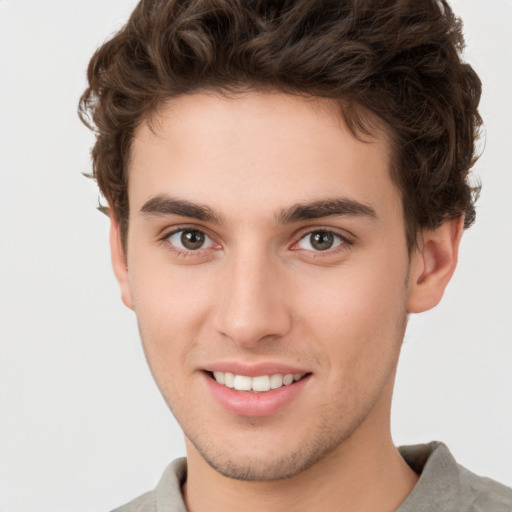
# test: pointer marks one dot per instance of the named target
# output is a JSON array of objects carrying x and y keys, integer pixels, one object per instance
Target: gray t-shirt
[{"x": 444, "y": 486}]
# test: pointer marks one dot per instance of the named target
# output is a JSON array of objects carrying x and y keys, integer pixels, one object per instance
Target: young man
[{"x": 286, "y": 183}]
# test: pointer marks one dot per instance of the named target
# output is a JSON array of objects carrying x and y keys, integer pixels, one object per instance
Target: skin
[{"x": 259, "y": 291}]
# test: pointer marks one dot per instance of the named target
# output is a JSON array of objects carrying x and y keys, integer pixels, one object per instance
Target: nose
[{"x": 251, "y": 306}]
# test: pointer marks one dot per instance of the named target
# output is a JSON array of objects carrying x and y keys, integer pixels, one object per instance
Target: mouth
[
  {"x": 266, "y": 390},
  {"x": 257, "y": 384}
]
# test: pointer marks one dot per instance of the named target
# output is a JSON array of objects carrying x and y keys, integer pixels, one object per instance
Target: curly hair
[{"x": 399, "y": 60}]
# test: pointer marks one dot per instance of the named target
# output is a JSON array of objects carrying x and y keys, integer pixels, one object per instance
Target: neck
[{"x": 365, "y": 472}]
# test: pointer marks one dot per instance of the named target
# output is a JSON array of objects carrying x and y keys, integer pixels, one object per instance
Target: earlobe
[
  {"x": 433, "y": 264},
  {"x": 119, "y": 263}
]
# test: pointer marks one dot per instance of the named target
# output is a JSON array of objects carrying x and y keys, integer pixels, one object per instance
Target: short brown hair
[{"x": 397, "y": 59}]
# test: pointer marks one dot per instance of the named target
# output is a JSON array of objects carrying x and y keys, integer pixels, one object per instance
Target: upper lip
[{"x": 254, "y": 370}]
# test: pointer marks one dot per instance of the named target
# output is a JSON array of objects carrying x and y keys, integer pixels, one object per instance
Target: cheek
[
  {"x": 357, "y": 313},
  {"x": 171, "y": 306},
  {"x": 355, "y": 298},
  {"x": 167, "y": 295}
]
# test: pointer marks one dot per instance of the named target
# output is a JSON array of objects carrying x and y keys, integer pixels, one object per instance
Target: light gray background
[{"x": 82, "y": 426}]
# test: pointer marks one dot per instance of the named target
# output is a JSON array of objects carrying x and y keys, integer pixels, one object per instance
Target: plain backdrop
[{"x": 82, "y": 425}]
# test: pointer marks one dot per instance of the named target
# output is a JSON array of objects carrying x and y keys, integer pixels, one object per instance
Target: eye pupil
[
  {"x": 192, "y": 239},
  {"x": 322, "y": 240}
]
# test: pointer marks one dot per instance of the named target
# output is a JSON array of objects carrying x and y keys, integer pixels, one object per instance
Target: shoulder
[
  {"x": 486, "y": 494},
  {"x": 167, "y": 494},
  {"x": 144, "y": 503},
  {"x": 445, "y": 485}
]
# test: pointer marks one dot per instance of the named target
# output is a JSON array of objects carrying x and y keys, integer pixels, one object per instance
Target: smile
[{"x": 259, "y": 384}]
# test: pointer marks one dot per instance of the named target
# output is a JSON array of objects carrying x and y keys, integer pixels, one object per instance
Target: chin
[
  {"x": 260, "y": 464},
  {"x": 262, "y": 469}
]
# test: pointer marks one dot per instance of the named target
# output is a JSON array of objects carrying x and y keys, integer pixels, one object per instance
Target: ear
[
  {"x": 433, "y": 264},
  {"x": 119, "y": 263}
]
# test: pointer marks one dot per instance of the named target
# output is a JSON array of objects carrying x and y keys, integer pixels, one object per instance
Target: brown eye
[
  {"x": 190, "y": 239},
  {"x": 320, "y": 241}
]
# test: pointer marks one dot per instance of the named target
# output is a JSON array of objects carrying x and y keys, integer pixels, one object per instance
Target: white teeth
[
  {"x": 276, "y": 381},
  {"x": 229, "y": 379},
  {"x": 287, "y": 379},
  {"x": 258, "y": 384},
  {"x": 242, "y": 383},
  {"x": 219, "y": 377}
]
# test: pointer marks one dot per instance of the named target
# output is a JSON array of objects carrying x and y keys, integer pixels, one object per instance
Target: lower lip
[{"x": 245, "y": 403}]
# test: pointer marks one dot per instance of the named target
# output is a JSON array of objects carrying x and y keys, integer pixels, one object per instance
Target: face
[{"x": 266, "y": 251}]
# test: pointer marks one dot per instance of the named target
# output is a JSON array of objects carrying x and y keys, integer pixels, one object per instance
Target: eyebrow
[
  {"x": 163, "y": 205},
  {"x": 326, "y": 208}
]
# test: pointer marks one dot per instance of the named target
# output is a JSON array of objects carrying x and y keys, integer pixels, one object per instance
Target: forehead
[{"x": 258, "y": 152}]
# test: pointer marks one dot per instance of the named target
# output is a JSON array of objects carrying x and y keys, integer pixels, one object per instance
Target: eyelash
[
  {"x": 345, "y": 242},
  {"x": 185, "y": 252}
]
